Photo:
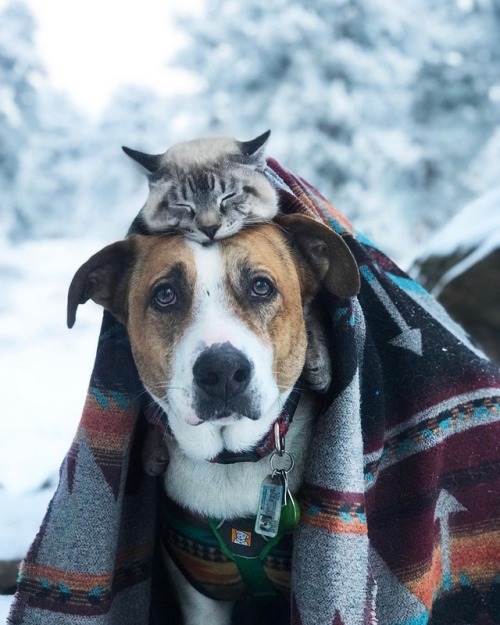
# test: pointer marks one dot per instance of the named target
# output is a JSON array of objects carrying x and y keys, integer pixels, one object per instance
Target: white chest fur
[{"x": 232, "y": 490}]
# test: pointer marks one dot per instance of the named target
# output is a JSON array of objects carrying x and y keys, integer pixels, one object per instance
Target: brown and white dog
[{"x": 219, "y": 340}]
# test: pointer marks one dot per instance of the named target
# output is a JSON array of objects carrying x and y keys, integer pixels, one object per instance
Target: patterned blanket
[{"x": 401, "y": 504}]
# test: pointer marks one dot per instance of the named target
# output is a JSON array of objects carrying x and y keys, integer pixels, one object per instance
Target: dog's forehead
[
  {"x": 157, "y": 255},
  {"x": 262, "y": 246}
]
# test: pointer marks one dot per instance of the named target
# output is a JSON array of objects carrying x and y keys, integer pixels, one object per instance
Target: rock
[
  {"x": 8, "y": 575},
  {"x": 472, "y": 296}
]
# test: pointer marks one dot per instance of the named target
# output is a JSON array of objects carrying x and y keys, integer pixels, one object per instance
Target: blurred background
[{"x": 391, "y": 109}]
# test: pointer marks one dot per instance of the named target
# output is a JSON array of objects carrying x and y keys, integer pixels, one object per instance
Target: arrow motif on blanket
[
  {"x": 446, "y": 505},
  {"x": 410, "y": 338}
]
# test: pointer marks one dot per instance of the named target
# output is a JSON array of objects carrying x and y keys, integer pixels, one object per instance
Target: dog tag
[
  {"x": 290, "y": 514},
  {"x": 272, "y": 492}
]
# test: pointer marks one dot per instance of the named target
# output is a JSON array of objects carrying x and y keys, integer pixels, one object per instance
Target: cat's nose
[{"x": 210, "y": 231}]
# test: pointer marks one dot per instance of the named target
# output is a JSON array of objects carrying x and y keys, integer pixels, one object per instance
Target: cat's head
[{"x": 208, "y": 188}]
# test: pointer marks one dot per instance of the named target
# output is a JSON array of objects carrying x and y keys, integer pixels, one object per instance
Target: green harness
[
  {"x": 186, "y": 535},
  {"x": 251, "y": 567}
]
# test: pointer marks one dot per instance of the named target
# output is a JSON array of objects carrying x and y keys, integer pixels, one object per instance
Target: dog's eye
[
  {"x": 262, "y": 288},
  {"x": 164, "y": 296}
]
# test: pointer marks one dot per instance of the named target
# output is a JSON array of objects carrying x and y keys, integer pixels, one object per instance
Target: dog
[{"x": 219, "y": 340}]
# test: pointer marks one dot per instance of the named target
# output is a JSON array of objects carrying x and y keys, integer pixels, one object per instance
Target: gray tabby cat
[{"x": 208, "y": 189}]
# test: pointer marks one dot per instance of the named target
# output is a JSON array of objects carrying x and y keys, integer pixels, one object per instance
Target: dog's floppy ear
[
  {"x": 326, "y": 252},
  {"x": 104, "y": 279}
]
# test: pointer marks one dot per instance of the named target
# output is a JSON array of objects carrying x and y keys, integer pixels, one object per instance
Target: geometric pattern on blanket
[{"x": 401, "y": 505}]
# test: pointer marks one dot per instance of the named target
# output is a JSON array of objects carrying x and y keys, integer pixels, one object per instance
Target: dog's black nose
[
  {"x": 222, "y": 371},
  {"x": 210, "y": 231}
]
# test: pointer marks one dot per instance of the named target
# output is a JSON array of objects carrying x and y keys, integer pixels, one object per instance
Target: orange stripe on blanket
[
  {"x": 108, "y": 440},
  {"x": 220, "y": 573},
  {"x": 113, "y": 419},
  {"x": 335, "y": 524},
  {"x": 473, "y": 559},
  {"x": 425, "y": 586},
  {"x": 476, "y": 556},
  {"x": 77, "y": 581}
]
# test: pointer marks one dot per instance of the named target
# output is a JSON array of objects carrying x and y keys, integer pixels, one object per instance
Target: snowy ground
[
  {"x": 4, "y": 607},
  {"x": 44, "y": 372}
]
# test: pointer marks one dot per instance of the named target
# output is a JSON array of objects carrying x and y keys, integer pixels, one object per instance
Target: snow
[
  {"x": 44, "y": 368},
  {"x": 22, "y": 515},
  {"x": 477, "y": 223},
  {"x": 5, "y": 602},
  {"x": 474, "y": 231},
  {"x": 92, "y": 77}
]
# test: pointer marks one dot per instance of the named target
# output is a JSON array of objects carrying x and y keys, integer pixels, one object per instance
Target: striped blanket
[{"x": 401, "y": 504}]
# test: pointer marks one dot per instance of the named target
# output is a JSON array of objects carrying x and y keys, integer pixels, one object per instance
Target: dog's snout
[{"x": 222, "y": 371}]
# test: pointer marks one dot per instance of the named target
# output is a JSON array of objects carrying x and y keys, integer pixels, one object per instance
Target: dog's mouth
[
  {"x": 224, "y": 413},
  {"x": 226, "y": 418}
]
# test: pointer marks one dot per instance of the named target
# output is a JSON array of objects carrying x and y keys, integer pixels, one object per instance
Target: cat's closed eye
[
  {"x": 186, "y": 207},
  {"x": 223, "y": 201}
]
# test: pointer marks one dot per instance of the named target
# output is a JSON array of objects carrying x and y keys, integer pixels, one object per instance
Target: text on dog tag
[{"x": 272, "y": 493}]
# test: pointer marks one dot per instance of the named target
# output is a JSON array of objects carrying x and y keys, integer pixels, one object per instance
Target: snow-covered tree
[
  {"x": 48, "y": 180},
  {"x": 456, "y": 106},
  {"x": 76, "y": 178},
  {"x": 19, "y": 73},
  {"x": 113, "y": 188},
  {"x": 367, "y": 100}
]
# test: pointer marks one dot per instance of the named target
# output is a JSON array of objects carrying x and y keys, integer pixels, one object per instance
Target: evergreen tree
[
  {"x": 114, "y": 188},
  {"x": 48, "y": 184},
  {"x": 364, "y": 98},
  {"x": 19, "y": 72},
  {"x": 456, "y": 106}
]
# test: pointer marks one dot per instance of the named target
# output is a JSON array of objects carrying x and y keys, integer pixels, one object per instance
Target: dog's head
[{"x": 217, "y": 332}]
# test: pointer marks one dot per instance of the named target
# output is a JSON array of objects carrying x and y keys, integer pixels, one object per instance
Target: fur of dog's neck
[{"x": 229, "y": 491}]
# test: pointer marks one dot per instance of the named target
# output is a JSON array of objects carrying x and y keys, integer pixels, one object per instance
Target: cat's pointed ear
[
  {"x": 151, "y": 162},
  {"x": 254, "y": 149}
]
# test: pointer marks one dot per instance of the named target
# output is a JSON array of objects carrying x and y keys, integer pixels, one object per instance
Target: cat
[{"x": 207, "y": 189}]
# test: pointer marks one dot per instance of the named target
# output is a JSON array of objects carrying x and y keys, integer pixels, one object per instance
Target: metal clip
[
  {"x": 279, "y": 441},
  {"x": 289, "y": 460}
]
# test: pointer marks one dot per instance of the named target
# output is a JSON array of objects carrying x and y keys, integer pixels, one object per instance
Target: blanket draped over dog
[{"x": 401, "y": 501}]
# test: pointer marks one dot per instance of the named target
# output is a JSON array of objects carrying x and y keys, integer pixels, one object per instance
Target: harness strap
[
  {"x": 251, "y": 566},
  {"x": 250, "y": 569}
]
